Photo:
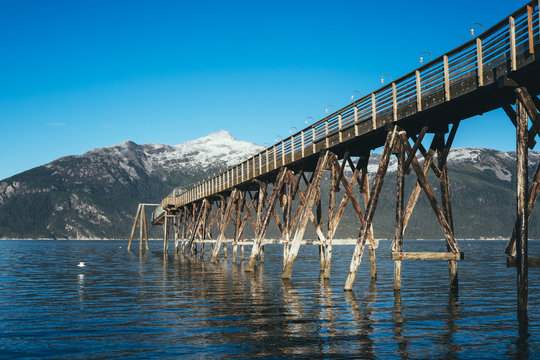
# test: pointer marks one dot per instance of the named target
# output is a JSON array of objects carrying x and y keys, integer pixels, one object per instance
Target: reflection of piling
[
  {"x": 363, "y": 316},
  {"x": 401, "y": 340}
]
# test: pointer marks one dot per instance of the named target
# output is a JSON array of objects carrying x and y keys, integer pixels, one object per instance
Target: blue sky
[{"x": 76, "y": 75}]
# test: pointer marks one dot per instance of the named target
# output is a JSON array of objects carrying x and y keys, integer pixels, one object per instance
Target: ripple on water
[{"x": 122, "y": 305}]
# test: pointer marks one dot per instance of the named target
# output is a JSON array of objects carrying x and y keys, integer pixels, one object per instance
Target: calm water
[{"x": 123, "y": 305}]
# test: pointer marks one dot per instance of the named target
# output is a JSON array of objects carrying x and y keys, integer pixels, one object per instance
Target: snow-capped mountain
[
  {"x": 94, "y": 195},
  {"x": 203, "y": 153}
]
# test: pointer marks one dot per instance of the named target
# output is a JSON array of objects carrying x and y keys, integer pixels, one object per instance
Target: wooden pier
[{"x": 498, "y": 69}]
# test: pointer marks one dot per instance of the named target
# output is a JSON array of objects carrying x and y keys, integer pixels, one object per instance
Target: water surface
[{"x": 127, "y": 305}]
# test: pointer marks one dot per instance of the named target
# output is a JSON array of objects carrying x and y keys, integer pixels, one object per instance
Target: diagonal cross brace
[
  {"x": 448, "y": 233},
  {"x": 224, "y": 222},
  {"x": 263, "y": 222},
  {"x": 304, "y": 217},
  {"x": 370, "y": 209}
]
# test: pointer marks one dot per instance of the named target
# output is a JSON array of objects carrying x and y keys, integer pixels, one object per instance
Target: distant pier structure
[{"x": 499, "y": 68}]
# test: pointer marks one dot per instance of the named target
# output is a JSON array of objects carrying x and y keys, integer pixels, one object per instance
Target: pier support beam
[
  {"x": 311, "y": 194},
  {"x": 373, "y": 243},
  {"x": 349, "y": 196},
  {"x": 527, "y": 107},
  {"x": 166, "y": 231},
  {"x": 263, "y": 221},
  {"x": 178, "y": 230},
  {"x": 200, "y": 223},
  {"x": 134, "y": 227},
  {"x": 239, "y": 223},
  {"x": 444, "y": 214},
  {"x": 398, "y": 237},
  {"x": 370, "y": 210},
  {"x": 522, "y": 216},
  {"x": 226, "y": 216},
  {"x": 287, "y": 212},
  {"x": 140, "y": 218},
  {"x": 327, "y": 247},
  {"x": 442, "y": 154}
]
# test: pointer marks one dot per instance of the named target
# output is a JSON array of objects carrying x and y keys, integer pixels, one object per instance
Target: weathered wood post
[
  {"x": 522, "y": 192},
  {"x": 263, "y": 221},
  {"x": 177, "y": 232},
  {"x": 373, "y": 242},
  {"x": 223, "y": 226},
  {"x": 370, "y": 210},
  {"x": 196, "y": 224},
  {"x": 134, "y": 227},
  {"x": 141, "y": 228},
  {"x": 311, "y": 192},
  {"x": 397, "y": 246},
  {"x": 188, "y": 221},
  {"x": 442, "y": 155},
  {"x": 144, "y": 224},
  {"x": 166, "y": 234},
  {"x": 327, "y": 252},
  {"x": 238, "y": 224},
  {"x": 287, "y": 209},
  {"x": 318, "y": 222}
]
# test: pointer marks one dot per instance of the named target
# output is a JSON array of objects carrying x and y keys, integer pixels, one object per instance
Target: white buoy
[{"x": 81, "y": 264}]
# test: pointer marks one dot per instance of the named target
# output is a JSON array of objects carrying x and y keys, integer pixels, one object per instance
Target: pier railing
[{"x": 503, "y": 48}]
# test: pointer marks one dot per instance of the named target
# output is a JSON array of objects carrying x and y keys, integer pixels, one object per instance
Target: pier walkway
[{"x": 500, "y": 68}]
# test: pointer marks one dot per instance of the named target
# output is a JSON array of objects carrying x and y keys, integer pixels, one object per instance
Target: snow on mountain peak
[
  {"x": 219, "y": 147},
  {"x": 219, "y": 136}
]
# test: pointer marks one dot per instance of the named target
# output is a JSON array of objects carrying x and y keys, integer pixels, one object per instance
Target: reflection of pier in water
[
  {"x": 282, "y": 184},
  {"x": 224, "y": 305}
]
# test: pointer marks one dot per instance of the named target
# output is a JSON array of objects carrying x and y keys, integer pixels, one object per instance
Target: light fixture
[
  {"x": 382, "y": 78},
  {"x": 352, "y": 96},
  {"x": 422, "y": 56},
  {"x": 472, "y": 28}
]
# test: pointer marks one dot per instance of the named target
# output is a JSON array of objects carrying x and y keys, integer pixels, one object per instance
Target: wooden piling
[
  {"x": 318, "y": 227},
  {"x": 141, "y": 228},
  {"x": 370, "y": 210},
  {"x": 263, "y": 221},
  {"x": 311, "y": 193},
  {"x": 177, "y": 232},
  {"x": 325, "y": 266},
  {"x": 522, "y": 192},
  {"x": 238, "y": 224},
  {"x": 166, "y": 234},
  {"x": 287, "y": 210},
  {"x": 446, "y": 205},
  {"x": 422, "y": 180},
  {"x": 226, "y": 216},
  {"x": 397, "y": 246},
  {"x": 372, "y": 242},
  {"x": 134, "y": 227}
]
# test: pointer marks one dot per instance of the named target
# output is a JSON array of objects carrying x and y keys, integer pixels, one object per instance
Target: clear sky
[{"x": 75, "y": 75}]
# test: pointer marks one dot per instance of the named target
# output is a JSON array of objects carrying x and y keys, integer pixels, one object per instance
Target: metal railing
[{"x": 430, "y": 85}]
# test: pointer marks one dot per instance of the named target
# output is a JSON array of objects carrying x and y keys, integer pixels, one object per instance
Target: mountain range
[{"x": 95, "y": 195}]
